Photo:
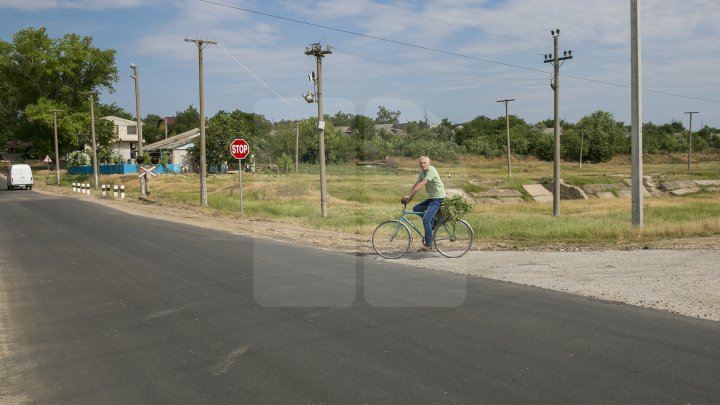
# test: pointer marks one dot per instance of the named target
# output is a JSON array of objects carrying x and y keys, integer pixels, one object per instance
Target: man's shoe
[{"x": 426, "y": 248}]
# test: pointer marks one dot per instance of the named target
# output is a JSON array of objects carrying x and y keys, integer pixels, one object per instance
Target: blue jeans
[{"x": 429, "y": 207}]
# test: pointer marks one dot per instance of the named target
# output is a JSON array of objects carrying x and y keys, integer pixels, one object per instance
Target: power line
[
  {"x": 438, "y": 72},
  {"x": 427, "y": 48}
]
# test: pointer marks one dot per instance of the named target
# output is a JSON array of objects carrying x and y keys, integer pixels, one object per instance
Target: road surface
[{"x": 98, "y": 306}]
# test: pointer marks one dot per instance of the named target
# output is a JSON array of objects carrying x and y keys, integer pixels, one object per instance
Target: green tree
[
  {"x": 603, "y": 135},
  {"x": 223, "y": 128},
  {"x": 37, "y": 71},
  {"x": 185, "y": 121},
  {"x": 385, "y": 116},
  {"x": 153, "y": 128}
]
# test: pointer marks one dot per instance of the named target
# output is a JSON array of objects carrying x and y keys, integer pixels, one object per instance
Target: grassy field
[{"x": 362, "y": 197}]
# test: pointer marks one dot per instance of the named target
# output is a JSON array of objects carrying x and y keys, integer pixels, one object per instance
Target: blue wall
[{"x": 121, "y": 169}]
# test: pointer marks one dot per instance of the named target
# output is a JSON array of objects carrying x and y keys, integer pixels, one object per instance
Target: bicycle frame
[{"x": 403, "y": 219}]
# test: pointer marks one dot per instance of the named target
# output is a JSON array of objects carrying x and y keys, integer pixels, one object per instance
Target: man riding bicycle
[{"x": 430, "y": 180}]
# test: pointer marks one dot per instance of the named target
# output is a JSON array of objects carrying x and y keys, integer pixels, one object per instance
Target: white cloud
[{"x": 70, "y": 4}]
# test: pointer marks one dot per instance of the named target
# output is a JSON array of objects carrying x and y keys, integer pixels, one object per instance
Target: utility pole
[
  {"x": 91, "y": 95},
  {"x": 317, "y": 51},
  {"x": 690, "y": 136},
  {"x": 555, "y": 59},
  {"x": 582, "y": 141},
  {"x": 636, "y": 111},
  {"x": 297, "y": 145},
  {"x": 507, "y": 129},
  {"x": 145, "y": 178},
  {"x": 201, "y": 44},
  {"x": 57, "y": 156}
]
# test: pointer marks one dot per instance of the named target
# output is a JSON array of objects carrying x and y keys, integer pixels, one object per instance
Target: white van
[{"x": 19, "y": 176}]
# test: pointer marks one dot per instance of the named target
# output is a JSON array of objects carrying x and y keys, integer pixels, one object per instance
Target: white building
[{"x": 126, "y": 137}]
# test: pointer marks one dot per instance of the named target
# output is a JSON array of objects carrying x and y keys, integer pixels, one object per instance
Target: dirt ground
[{"x": 677, "y": 275}]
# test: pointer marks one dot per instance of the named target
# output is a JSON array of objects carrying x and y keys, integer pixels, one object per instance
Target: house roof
[
  {"x": 117, "y": 120},
  {"x": 389, "y": 128},
  {"x": 176, "y": 141}
]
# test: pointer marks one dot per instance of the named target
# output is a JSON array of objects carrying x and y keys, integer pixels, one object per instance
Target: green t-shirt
[{"x": 434, "y": 186}]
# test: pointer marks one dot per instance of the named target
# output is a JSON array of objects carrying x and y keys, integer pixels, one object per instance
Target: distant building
[
  {"x": 177, "y": 148},
  {"x": 344, "y": 130},
  {"x": 394, "y": 129},
  {"x": 126, "y": 137}
]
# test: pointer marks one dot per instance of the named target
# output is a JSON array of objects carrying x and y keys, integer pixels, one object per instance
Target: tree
[
  {"x": 385, "y": 116},
  {"x": 604, "y": 136},
  {"x": 185, "y": 120},
  {"x": 153, "y": 128},
  {"x": 223, "y": 128},
  {"x": 38, "y": 72}
]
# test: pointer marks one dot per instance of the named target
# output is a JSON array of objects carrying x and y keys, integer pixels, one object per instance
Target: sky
[{"x": 434, "y": 59}]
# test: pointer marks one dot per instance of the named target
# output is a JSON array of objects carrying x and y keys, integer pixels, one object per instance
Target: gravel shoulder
[{"x": 680, "y": 276}]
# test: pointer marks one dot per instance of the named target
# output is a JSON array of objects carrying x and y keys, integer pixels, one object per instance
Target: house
[
  {"x": 126, "y": 137},
  {"x": 344, "y": 130},
  {"x": 394, "y": 129},
  {"x": 177, "y": 147}
]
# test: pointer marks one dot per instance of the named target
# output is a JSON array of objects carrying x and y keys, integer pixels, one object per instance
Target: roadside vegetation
[{"x": 361, "y": 197}]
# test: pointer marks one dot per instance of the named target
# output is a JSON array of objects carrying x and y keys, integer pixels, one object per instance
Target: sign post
[
  {"x": 48, "y": 161},
  {"x": 145, "y": 188},
  {"x": 239, "y": 148}
]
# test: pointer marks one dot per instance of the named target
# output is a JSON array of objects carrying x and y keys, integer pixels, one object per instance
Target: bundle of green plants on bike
[{"x": 455, "y": 207}]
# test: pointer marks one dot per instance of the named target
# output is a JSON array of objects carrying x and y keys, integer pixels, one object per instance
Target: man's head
[{"x": 424, "y": 162}]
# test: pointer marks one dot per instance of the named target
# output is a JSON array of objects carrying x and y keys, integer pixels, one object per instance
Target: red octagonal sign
[{"x": 239, "y": 148}]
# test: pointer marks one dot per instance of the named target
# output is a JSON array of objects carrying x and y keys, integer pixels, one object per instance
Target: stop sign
[{"x": 239, "y": 148}]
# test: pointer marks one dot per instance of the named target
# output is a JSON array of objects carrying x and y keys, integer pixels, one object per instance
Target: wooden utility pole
[
  {"x": 57, "y": 156},
  {"x": 144, "y": 186},
  {"x": 91, "y": 96},
  {"x": 201, "y": 44},
  {"x": 507, "y": 129},
  {"x": 317, "y": 51},
  {"x": 690, "y": 136},
  {"x": 555, "y": 59}
]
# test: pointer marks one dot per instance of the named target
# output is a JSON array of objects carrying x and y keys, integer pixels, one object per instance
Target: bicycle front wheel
[
  {"x": 391, "y": 239},
  {"x": 453, "y": 238}
]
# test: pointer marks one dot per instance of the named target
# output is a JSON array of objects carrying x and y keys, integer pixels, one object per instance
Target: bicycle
[{"x": 452, "y": 237}]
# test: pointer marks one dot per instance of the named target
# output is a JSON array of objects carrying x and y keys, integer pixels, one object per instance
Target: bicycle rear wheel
[
  {"x": 391, "y": 239},
  {"x": 453, "y": 238}
]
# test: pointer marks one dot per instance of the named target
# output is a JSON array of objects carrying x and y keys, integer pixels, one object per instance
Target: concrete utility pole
[
  {"x": 57, "y": 156},
  {"x": 555, "y": 59},
  {"x": 91, "y": 95},
  {"x": 201, "y": 44},
  {"x": 507, "y": 129},
  {"x": 317, "y": 51},
  {"x": 690, "y": 136},
  {"x": 144, "y": 179},
  {"x": 636, "y": 112}
]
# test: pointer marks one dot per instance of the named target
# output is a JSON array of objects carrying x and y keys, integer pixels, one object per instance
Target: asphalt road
[{"x": 101, "y": 307}]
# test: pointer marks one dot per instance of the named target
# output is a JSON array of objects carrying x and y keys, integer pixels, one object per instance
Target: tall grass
[{"x": 360, "y": 198}]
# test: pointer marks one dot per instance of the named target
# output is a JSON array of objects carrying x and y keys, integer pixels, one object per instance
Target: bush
[{"x": 78, "y": 158}]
